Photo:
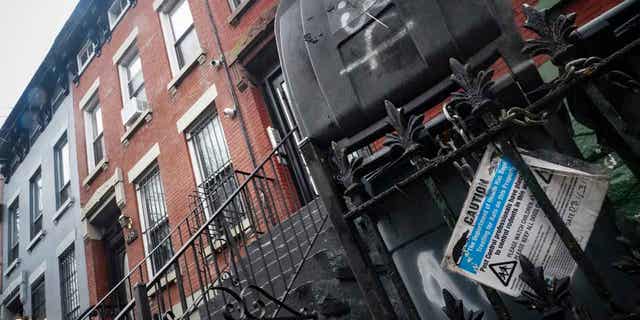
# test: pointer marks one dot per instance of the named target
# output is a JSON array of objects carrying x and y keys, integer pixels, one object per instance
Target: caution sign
[{"x": 501, "y": 219}]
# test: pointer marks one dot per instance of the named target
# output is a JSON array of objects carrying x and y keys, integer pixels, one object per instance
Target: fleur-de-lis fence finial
[
  {"x": 406, "y": 132},
  {"x": 476, "y": 89},
  {"x": 552, "y": 299},
  {"x": 346, "y": 169},
  {"x": 454, "y": 308},
  {"x": 556, "y": 36}
]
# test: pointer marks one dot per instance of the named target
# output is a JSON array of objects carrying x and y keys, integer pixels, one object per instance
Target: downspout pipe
[{"x": 234, "y": 94}]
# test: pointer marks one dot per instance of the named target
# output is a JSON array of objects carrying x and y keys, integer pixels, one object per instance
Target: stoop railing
[{"x": 237, "y": 253}]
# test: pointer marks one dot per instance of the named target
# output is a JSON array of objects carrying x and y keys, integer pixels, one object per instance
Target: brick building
[
  {"x": 160, "y": 114},
  {"x": 168, "y": 96}
]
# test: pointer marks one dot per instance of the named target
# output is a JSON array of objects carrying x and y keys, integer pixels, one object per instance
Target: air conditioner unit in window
[{"x": 133, "y": 110}]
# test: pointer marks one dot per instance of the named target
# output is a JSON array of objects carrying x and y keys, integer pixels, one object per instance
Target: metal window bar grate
[
  {"x": 155, "y": 215},
  {"x": 208, "y": 270},
  {"x": 38, "y": 300},
  {"x": 69, "y": 285}
]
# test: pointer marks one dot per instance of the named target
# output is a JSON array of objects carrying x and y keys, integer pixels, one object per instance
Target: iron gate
[{"x": 479, "y": 114}]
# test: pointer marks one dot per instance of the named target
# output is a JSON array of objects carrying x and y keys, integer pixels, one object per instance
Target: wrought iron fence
[
  {"x": 477, "y": 118},
  {"x": 237, "y": 253}
]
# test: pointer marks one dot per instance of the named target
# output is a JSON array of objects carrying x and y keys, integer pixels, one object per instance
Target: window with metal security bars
[
  {"x": 154, "y": 216},
  {"x": 14, "y": 231},
  {"x": 62, "y": 170},
  {"x": 69, "y": 284},
  {"x": 215, "y": 172},
  {"x": 37, "y": 208},
  {"x": 38, "y": 300},
  {"x": 209, "y": 146}
]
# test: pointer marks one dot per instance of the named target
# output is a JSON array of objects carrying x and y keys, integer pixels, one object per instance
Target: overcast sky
[{"x": 28, "y": 28}]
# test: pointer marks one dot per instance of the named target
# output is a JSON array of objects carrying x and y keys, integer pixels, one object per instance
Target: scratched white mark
[
  {"x": 352, "y": 26},
  {"x": 373, "y": 53}
]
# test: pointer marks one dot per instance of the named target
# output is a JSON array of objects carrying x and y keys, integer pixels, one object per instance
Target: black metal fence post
[
  {"x": 143, "y": 310},
  {"x": 374, "y": 294}
]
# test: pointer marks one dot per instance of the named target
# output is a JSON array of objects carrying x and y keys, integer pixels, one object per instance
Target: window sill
[
  {"x": 36, "y": 239},
  {"x": 12, "y": 267},
  {"x": 145, "y": 117},
  {"x": 63, "y": 208},
  {"x": 101, "y": 166},
  {"x": 177, "y": 79},
  {"x": 171, "y": 277},
  {"x": 239, "y": 12}
]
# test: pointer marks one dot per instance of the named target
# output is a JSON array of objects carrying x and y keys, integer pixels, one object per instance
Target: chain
[{"x": 523, "y": 118}]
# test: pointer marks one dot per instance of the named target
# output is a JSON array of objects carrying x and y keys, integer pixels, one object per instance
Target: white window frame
[
  {"x": 89, "y": 111},
  {"x": 13, "y": 219},
  {"x": 36, "y": 204},
  {"x": 142, "y": 214},
  {"x": 165, "y": 8},
  {"x": 123, "y": 65},
  {"x": 234, "y": 6},
  {"x": 196, "y": 166},
  {"x": 59, "y": 164},
  {"x": 85, "y": 46},
  {"x": 195, "y": 159},
  {"x": 114, "y": 21}
]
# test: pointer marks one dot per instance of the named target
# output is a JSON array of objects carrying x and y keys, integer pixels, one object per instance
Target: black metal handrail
[
  {"x": 214, "y": 216},
  {"x": 237, "y": 254}
]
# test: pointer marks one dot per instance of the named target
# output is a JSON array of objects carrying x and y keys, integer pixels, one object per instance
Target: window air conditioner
[{"x": 133, "y": 110}]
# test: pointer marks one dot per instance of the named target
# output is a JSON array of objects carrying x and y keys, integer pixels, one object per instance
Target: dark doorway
[
  {"x": 115, "y": 254},
  {"x": 264, "y": 68},
  {"x": 117, "y": 259},
  {"x": 283, "y": 119}
]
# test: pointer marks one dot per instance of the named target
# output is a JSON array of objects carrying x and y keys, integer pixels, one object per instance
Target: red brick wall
[{"x": 174, "y": 160}]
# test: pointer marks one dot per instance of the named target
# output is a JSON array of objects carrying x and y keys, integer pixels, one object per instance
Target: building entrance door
[
  {"x": 118, "y": 265},
  {"x": 284, "y": 121}
]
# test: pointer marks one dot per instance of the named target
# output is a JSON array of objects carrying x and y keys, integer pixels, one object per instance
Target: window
[
  {"x": 38, "y": 294},
  {"x": 180, "y": 35},
  {"x": 85, "y": 54},
  {"x": 14, "y": 231},
  {"x": 69, "y": 284},
  {"x": 215, "y": 173},
  {"x": 94, "y": 133},
  {"x": 154, "y": 217},
  {"x": 116, "y": 11},
  {"x": 62, "y": 169},
  {"x": 234, "y": 4},
  {"x": 209, "y": 147},
  {"x": 132, "y": 77},
  {"x": 35, "y": 187}
]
